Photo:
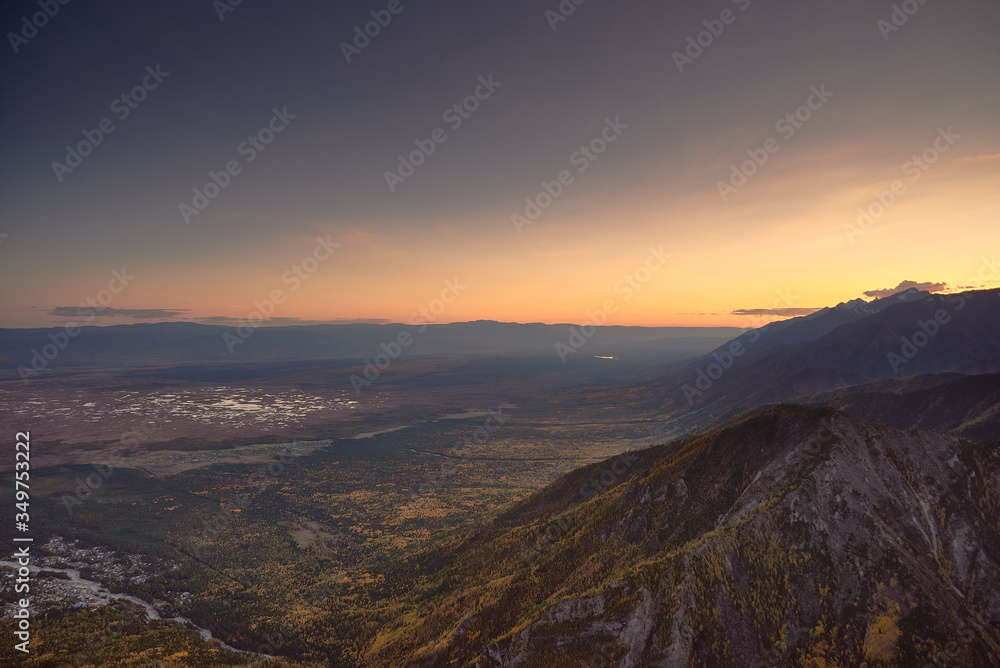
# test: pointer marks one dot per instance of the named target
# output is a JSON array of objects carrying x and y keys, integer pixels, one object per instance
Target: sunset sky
[{"x": 783, "y": 240}]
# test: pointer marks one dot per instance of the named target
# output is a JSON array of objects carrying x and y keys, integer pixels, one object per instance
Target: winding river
[{"x": 102, "y": 592}]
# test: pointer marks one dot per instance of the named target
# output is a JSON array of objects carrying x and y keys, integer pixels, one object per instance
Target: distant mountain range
[
  {"x": 910, "y": 334},
  {"x": 189, "y": 343},
  {"x": 811, "y": 327}
]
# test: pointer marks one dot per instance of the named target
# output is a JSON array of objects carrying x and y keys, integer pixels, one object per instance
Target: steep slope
[
  {"x": 934, "y": 335},
  {"x": 794, "y": 537},
  {"x": 807, "y": 328},
  {"x": 967, "y": 407}
]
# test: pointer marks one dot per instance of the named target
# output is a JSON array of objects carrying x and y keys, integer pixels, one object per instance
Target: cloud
[
  {"x": 773, "y": 312},
  {"x": 102, "y": 311},
  {"x": 904, "y": 286},
  {"x": 987, "y": 285},
  {"x": 981, "y": 158},
  {"x": 776, "y": 312}
]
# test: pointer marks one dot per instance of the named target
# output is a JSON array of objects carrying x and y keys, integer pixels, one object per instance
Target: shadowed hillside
[
  {"x": 794, "y": 537},
  {"x": 968, "y": 406},
  {"x": 792, "y": 363}
]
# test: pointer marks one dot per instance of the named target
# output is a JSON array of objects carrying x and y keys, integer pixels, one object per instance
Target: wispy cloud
[
  {"x": 988, "y": 285},
  {"x": 777, "y": 312},
  {"x": 994, "y": 157}
]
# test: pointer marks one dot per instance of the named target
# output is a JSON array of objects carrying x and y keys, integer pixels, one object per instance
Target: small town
[{"x": 66, "y": 575}]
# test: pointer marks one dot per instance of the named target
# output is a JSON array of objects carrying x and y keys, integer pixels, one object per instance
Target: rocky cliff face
[{"x": 795, "y": 537}]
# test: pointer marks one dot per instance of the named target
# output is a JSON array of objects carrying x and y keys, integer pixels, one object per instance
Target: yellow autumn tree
[{"x": 882, "y": 636}]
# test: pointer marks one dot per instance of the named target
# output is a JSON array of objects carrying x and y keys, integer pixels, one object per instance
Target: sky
[{"x": 629, "y": 162}]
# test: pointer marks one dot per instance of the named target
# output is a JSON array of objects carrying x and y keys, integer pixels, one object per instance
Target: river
[{"x": 102, "y": 592}]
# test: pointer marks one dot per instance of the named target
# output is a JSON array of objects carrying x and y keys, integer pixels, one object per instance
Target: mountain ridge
[{"x": 891, "y": 525}]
